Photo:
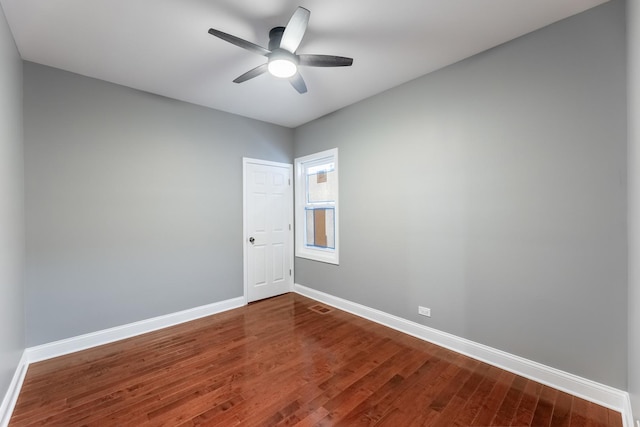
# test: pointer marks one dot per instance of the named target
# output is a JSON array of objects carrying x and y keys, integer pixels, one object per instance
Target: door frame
[{"x": 245, "y": 232}]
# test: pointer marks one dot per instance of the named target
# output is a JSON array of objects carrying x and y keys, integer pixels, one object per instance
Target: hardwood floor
[{"x": 281, "y": 362}]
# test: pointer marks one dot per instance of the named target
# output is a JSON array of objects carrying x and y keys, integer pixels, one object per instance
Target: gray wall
[
  {"x": 633, "y": 75},
  {"x": 494, "y": 192},
  {"x": 133, "y": 202},
  {"x": 11, "y": 208}
]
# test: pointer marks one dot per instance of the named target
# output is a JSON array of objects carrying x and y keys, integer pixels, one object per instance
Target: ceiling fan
[{"x": 282, "y": 60}]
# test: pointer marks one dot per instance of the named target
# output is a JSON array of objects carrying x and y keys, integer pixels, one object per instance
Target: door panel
[{"x": 268, "y": 232}]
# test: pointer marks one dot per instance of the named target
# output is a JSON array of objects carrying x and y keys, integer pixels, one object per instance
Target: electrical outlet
[{"x": 424, "y": 311}]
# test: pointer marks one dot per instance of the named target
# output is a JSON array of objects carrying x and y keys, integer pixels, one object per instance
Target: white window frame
[{"x": 328, "y": 255}]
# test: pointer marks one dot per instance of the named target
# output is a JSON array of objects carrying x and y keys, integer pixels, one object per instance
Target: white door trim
[{"x": 245, "y": 233}]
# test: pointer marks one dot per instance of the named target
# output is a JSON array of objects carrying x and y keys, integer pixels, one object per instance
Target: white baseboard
[
  {"x": 11, "y": 397},
  {"x": 94, "y": 339},
  {"x": 592, "y": 391},
  {"x": 578, "y": 386}
]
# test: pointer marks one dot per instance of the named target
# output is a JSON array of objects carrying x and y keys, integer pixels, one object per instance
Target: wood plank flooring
[{"x": 282, "y": 362}]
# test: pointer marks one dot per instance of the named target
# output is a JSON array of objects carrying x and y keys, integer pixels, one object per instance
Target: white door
[{"x": 268, "y": 229}]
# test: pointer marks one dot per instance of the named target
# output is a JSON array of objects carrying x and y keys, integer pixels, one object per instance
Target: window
[{"x": 317, "y": 206}]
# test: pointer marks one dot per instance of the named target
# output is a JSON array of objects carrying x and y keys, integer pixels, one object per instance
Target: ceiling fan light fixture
[
  {"x": 282, "y": 68},
  {"x": 282, "y": 64}
]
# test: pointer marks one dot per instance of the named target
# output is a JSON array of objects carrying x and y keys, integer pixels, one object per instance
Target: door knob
[{"x": 251, "y": 239}]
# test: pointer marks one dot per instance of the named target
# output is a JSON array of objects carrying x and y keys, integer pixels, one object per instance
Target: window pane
[
  {"x": 320, "y": 228},
  {"x": 321, "y": 183}
]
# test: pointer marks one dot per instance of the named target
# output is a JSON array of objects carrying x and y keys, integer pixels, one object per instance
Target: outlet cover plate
[{"x": 424, "y": 311}]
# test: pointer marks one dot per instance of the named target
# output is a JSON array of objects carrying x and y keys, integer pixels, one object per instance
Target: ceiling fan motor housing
[{"x": 275, "y": 36}]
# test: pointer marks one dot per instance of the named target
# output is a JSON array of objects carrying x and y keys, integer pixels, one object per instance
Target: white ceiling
[{"x": 162, "y": 46}]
